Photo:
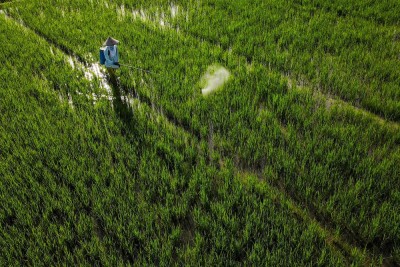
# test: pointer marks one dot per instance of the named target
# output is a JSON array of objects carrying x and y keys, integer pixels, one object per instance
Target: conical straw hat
[{"x": 110, "y": 42}]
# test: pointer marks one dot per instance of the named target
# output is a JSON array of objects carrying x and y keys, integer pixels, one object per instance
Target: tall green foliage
[{"x": 341, "y": 163}]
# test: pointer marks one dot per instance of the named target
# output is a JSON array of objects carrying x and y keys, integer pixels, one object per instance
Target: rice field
[{"x": 262, "y": 133}]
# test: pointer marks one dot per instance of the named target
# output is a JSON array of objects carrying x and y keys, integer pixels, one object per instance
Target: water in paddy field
[
  {"x": 174, "y": 10},
  {"x": 214, "y": 78},
  {"x": 71, "y": 62},
  {"x": 139, "y": 14},
  {"x": 90, "y": 71},
  {"x": 70, "y": 102},
  {"x": 158, "y": 17},
  {"x": 120, "y": 12},
  {"x": 95, "y": 70}
]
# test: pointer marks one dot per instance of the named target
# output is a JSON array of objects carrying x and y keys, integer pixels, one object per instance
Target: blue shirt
[{"x": 111, "y": 55}]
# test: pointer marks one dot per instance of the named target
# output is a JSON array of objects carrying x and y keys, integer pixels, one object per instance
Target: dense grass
[
  {"x": 341, "y": 163},
  {"x": 95, "y": 185}
]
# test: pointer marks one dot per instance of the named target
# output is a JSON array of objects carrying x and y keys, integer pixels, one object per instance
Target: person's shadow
[{"x": 122, "y": 107}]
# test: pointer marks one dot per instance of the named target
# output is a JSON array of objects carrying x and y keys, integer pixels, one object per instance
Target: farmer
[{"x": 111, "y": 53}]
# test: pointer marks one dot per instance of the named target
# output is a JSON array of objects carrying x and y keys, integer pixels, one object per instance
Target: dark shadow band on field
[
  {"x": 125, "y": 112},
  {"x": 122, "y": 108}
]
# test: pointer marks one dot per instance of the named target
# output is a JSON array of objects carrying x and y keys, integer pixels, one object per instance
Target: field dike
[
  {"x": 331, "y": 100},
  {"x": 214, "y": 78}
]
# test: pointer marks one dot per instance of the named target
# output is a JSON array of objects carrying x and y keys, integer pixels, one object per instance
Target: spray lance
[{"x": 111, "y": 42}]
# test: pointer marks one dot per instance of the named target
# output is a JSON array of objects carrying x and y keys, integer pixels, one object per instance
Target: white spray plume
[{"x": 214, "y": 78}]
